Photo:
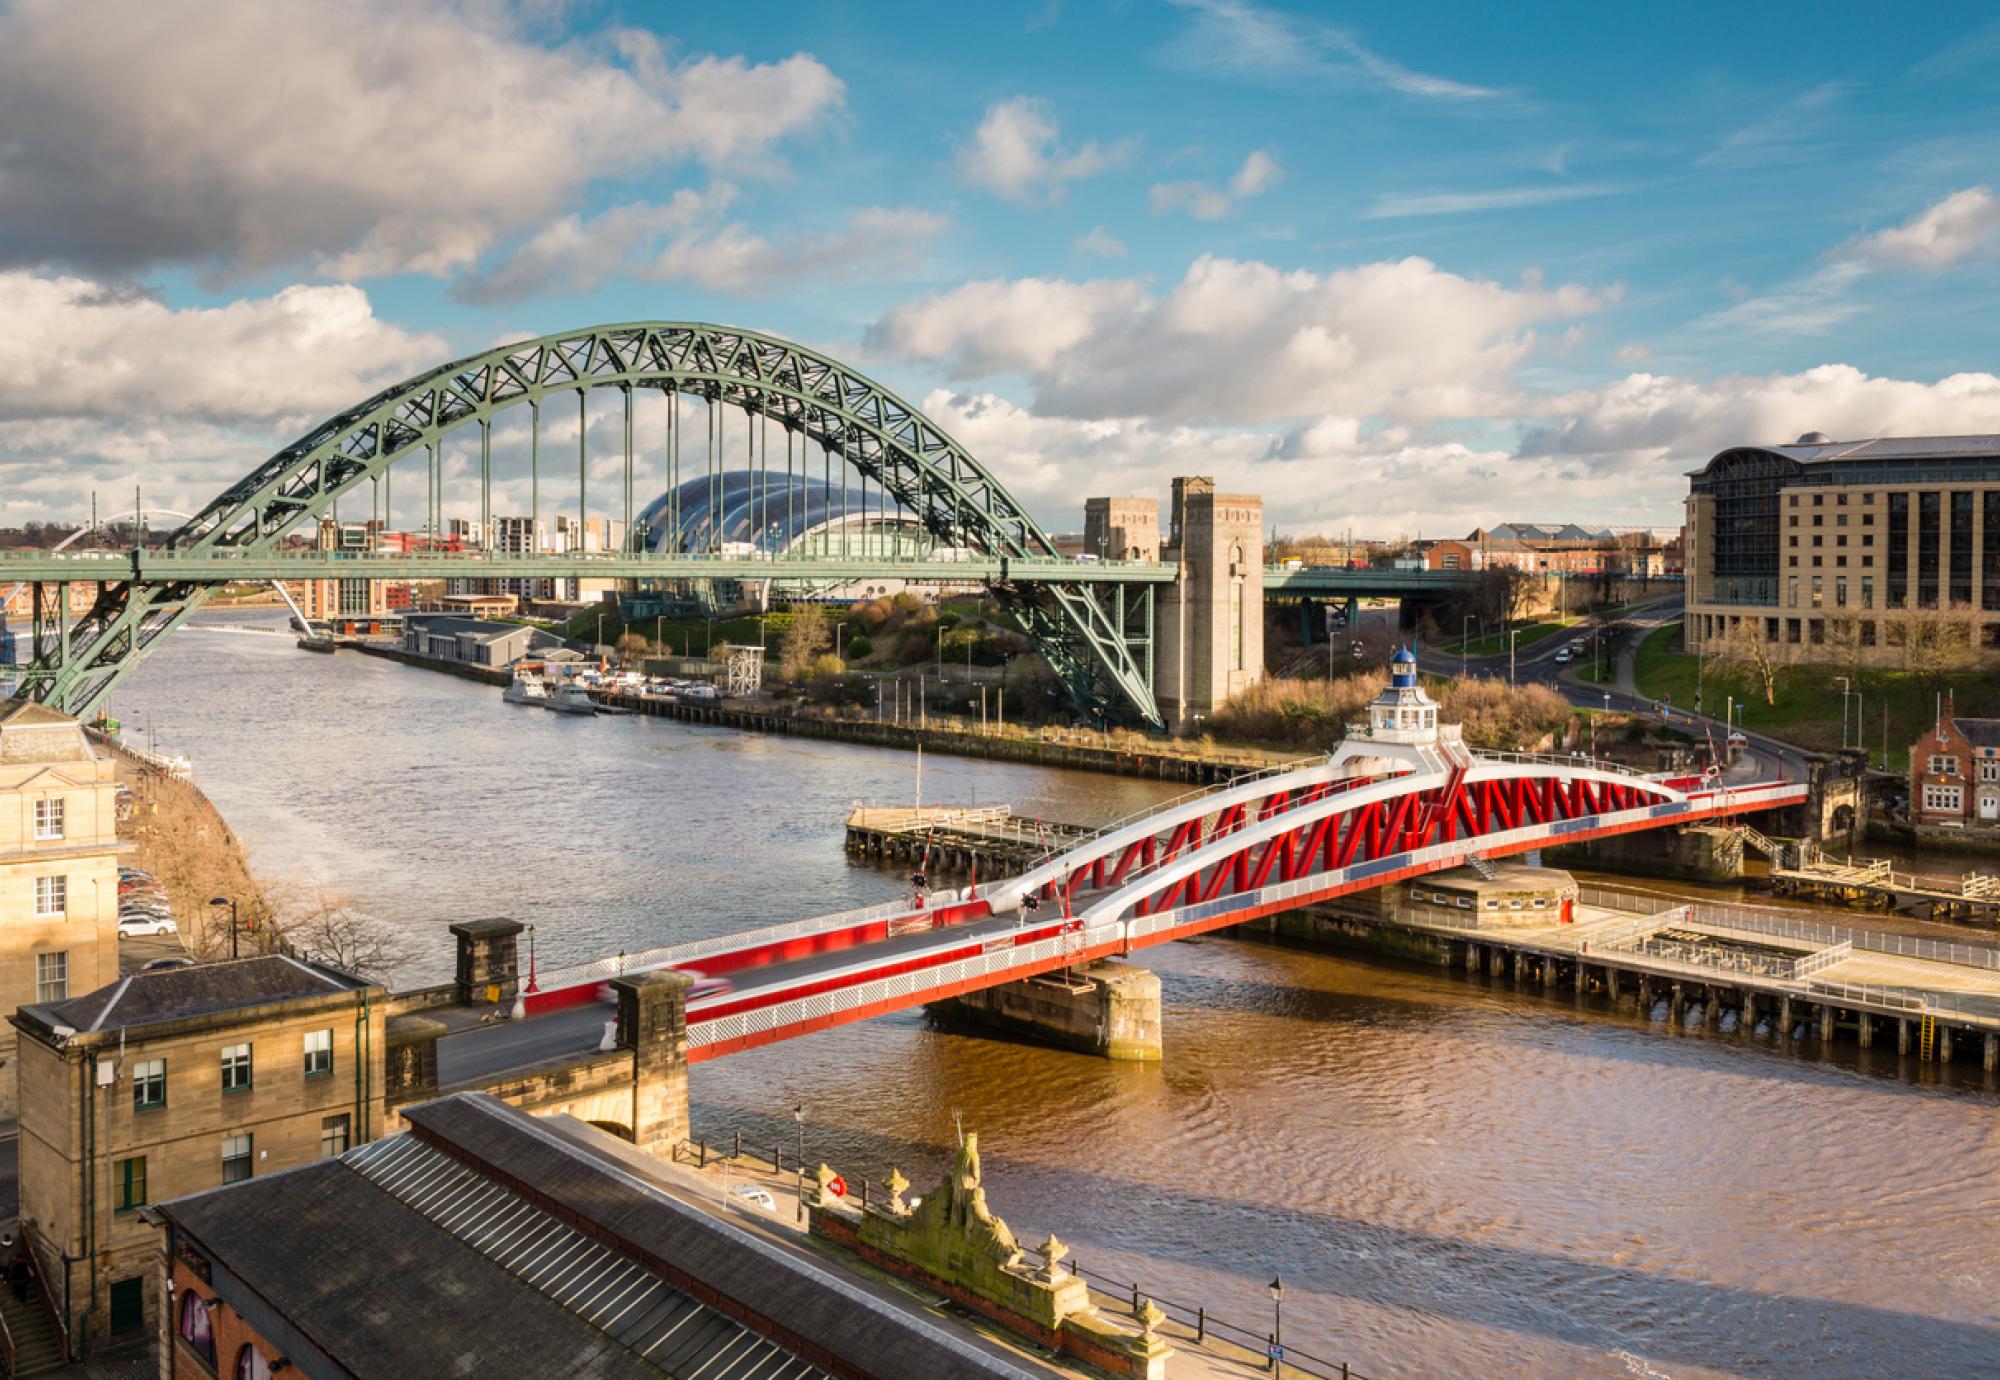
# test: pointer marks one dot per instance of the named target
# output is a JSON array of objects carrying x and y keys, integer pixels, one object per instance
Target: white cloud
[
  {"x": 1786, "y": 134},
  {"x": 1243, "y": 343},
  {"x": 1963, "y": 226},
  {"x": 1203, "y": 201},
  {"x": 1014, "y": 153},
  {"x": 101, "y": 388},
  {"x": 1101, "y": 242},
  {"x": 373, "y": 137},
  {"x": 74, "y": 348},
  {"x": 571, "y": 254},
  {"x": 1494, "y": 199},
  {"x": 1242, "y": 40},
  {"x": 878, "y": 241},
  {"x": 1654, "y": 426}
]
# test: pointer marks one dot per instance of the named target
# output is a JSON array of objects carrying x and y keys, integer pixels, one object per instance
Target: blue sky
[{"x": 1400, "y": 268}]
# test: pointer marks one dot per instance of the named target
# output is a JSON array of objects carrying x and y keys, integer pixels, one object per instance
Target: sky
[{"x": 1402, "y": 270}]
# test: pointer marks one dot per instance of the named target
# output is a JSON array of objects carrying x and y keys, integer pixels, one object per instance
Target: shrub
[{"x": 859, "y": 645}]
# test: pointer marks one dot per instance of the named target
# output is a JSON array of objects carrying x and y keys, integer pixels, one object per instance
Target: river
[{"x": 1453, "y": 1178}]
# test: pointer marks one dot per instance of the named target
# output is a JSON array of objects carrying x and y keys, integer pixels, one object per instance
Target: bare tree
[
  {"x": 322, "y": 927},
  {"x": 1937, "y": 644},
  {"x": 1744, "y": 651},
  {"x": 806, "y": 635}
]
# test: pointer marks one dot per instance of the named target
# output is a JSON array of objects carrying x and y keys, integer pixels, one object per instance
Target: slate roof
[
  {"x": 487, "y": 1242},
  {"x": 1978, "y": 732},
  {"x": 173, "y": 994}
]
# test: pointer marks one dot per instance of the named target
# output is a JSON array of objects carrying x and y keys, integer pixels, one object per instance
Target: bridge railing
[
  {"x": 1915, "y": 1000},
  {"x": 1764, "y": 920},
  {"x": 1823, "y": 959},
  {"x": 820, "y": 1005},
  {"x": 645, "y": 960}
]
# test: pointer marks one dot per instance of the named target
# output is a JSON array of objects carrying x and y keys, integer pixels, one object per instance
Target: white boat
[
  {"x": 525, "y": 690},
  {"x": 570, "y": 699}
]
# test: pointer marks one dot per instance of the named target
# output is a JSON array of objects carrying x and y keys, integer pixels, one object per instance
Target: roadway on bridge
[{"x": 488, "y": 1051}]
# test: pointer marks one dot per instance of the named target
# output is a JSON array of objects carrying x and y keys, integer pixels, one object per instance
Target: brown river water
[{"x": 1453, "y": 1177}]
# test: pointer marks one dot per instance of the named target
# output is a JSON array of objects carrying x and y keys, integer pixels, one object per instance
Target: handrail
[{"x": 1767, "y": 921}]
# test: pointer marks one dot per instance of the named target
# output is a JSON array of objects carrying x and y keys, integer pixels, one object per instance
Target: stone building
[
  {"x": 59, "y": 853},
  {"x": 1121, "y": 529},
  {"x": 1955, "y": 771},
  {"x": 1209, "y": 628},
  {"x": 174, "y": 1082}
]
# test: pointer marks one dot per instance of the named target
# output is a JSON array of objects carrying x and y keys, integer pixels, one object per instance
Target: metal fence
[{"x": 1819, "y": 934}]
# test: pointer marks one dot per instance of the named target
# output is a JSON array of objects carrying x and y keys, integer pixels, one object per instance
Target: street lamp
[
  {"x": 230, "y": 901},
  {"x": 1844, "y": 682},
  {"x": 1277, "y": 1324},
  {"x": 533, "y": 986},
  {"x": 799, "y": 1117}
]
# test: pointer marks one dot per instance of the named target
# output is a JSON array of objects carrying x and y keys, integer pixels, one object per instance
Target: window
[
  {"x": 131, "y": 1176},
  {"x": 235, "y": 1159},
  {"x": 1819, "y": 501},
  {"x": 1945, "y": 799},
  {"x": 52, "y": 976},
  {"x": 49, "y": 819},
  {"x": 1989, "y": 771},
  {"x": 197, "y": 1330},
  {"x": 1841, "y": 500},
  {"x": 1867, "y": 519},
  {"x": 1819, "y": 520},
  {"x": 1840, "y": 521},
  {"x": 235, "y": 1068},
  {"x": 1840, "y": 591},
  {"x": 251, "y": 1365},
  {"x": 1942, "y": 765},
  {"x": 1818, "y": 591},
  {"x": 319, "y": 1053},
  {"x": 333, "y": 1136},
  {"x": 149, "y": 1084},
  {"x": 51, "y": 895}
]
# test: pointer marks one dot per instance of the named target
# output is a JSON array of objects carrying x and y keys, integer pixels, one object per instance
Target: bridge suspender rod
[
  {"x": 626, "y": 540},
  {"x": 485, "y": 480},
  {"x": 750, "y": 472},
  {"x": 582, "y": 469},
  {"x": 534, "y": 473},
  {"x": 674, "y": 466},
  {"x": 764, "y": 489}
]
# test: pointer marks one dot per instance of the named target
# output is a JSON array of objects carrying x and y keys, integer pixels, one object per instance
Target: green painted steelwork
[{"x": 1084, "y": 628}]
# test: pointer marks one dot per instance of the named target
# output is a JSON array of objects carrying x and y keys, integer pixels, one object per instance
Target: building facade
[
  {"x": 1847, "y": 549},
  {"x": 1955, "y": 772},
  {"x": 59, "y": 854},
  {"x": 174, "y": 1082}
]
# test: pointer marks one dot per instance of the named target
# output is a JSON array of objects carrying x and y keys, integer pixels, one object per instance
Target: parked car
[
  {"x": 131, "y": 925},
  {"x": 755, "y": 1196},
  {"x": 1565, "y": 656},
  {"x": 161, "y": 964}
]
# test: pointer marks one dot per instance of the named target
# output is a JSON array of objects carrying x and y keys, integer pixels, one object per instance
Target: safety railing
[
  {"x": 823, "y": 1004},
  {"x": 623, "y": 964},
  {"x": 1628, "y": 932},
  {"x": 1762, "y": 920},
  {"x": 1967, "y": 1005},
  {"x": 1822, "y": 960}
]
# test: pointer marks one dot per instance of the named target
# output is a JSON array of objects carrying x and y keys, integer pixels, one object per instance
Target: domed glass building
[{"x": 740, "y": 512}]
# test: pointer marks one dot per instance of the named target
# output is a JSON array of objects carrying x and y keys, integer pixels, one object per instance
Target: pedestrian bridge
[{"x": 1306, "y": 832}]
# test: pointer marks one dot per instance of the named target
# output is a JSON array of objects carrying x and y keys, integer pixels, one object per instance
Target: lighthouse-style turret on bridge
[{"x": 1403, "y": 727}]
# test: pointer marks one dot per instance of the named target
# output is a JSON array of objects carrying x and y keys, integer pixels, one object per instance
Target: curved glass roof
[{"x": 770, "y": 512}]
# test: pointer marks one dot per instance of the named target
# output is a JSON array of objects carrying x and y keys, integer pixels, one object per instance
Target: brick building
[{"x": 1955, "y": 772}]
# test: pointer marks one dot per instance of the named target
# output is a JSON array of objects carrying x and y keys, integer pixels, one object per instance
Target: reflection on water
[{"x": 1453, "y": 1178}]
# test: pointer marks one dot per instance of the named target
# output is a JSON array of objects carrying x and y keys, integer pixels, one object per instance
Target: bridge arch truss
[{"x": 1097, "y": 643}]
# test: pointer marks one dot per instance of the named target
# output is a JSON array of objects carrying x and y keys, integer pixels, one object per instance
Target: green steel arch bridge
[{"x": 1091, "y": 620}]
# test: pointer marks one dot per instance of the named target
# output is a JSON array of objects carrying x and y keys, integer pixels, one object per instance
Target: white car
[
  {"x": 1565, "y": 656},
  {"x": 130, "y": 925},
  {"x": 754, "y": 1196}
]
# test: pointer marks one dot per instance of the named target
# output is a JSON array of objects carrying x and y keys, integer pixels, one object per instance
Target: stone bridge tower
[{"x": 1209, "y": 629}]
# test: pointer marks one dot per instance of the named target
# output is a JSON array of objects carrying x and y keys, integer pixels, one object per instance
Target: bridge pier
[
  {"x": 1784, "y": 1018},
  {"x": 1864, "y": 1027},
  {"x": 1109, "y": 1009},
  {"x": 652, "y": 1024}
]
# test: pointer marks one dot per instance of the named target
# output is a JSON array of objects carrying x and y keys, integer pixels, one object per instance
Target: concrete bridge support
[
  {"x": 1109, "y": 1009},
  {"x": 652, "y": 1024}
]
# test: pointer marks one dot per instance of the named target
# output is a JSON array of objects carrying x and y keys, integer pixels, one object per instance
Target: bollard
[
  {"x": 864, "y": 1195},
  {"x": 739, "y": 1146},
  {"x": 702, "y": 1144},
  {"x": 1200, "y": 1325},
  {"x": 1135, "y": 1300}
]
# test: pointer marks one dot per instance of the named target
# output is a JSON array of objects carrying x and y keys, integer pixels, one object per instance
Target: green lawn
[
  {"x": 1807, "y": 711},
  {"x": 1496, "y": 644}
]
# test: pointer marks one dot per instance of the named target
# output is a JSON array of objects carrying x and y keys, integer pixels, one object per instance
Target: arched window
[
  {"x": 196, "y": 1328},
  {"x": 251, "y": 1365}
]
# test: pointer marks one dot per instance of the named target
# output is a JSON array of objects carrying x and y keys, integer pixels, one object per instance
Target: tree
[
  {"x": 320, "y": 927},
  {"x": 1937, "y": 644},
  {"x": 808, "y": 634},
  {"x": 1744, "y": 651}
]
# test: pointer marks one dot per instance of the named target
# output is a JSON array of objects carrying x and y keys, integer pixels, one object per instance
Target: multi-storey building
[
  {"x": 59, "y": 853},
  {"x": 1847, "y": 549},
  {"x": 169, "y": 1083}
]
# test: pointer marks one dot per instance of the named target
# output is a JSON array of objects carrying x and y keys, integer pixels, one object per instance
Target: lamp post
[
  {"x": 1843, "y": 708},
  {"x": 799, "y": 1117},
  {"x": 218, "y": 902},
  {"x": 1464, "y": 636},
  {"x": 533, "y": 986},
  {"x": 1277, "y": 1325}
]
